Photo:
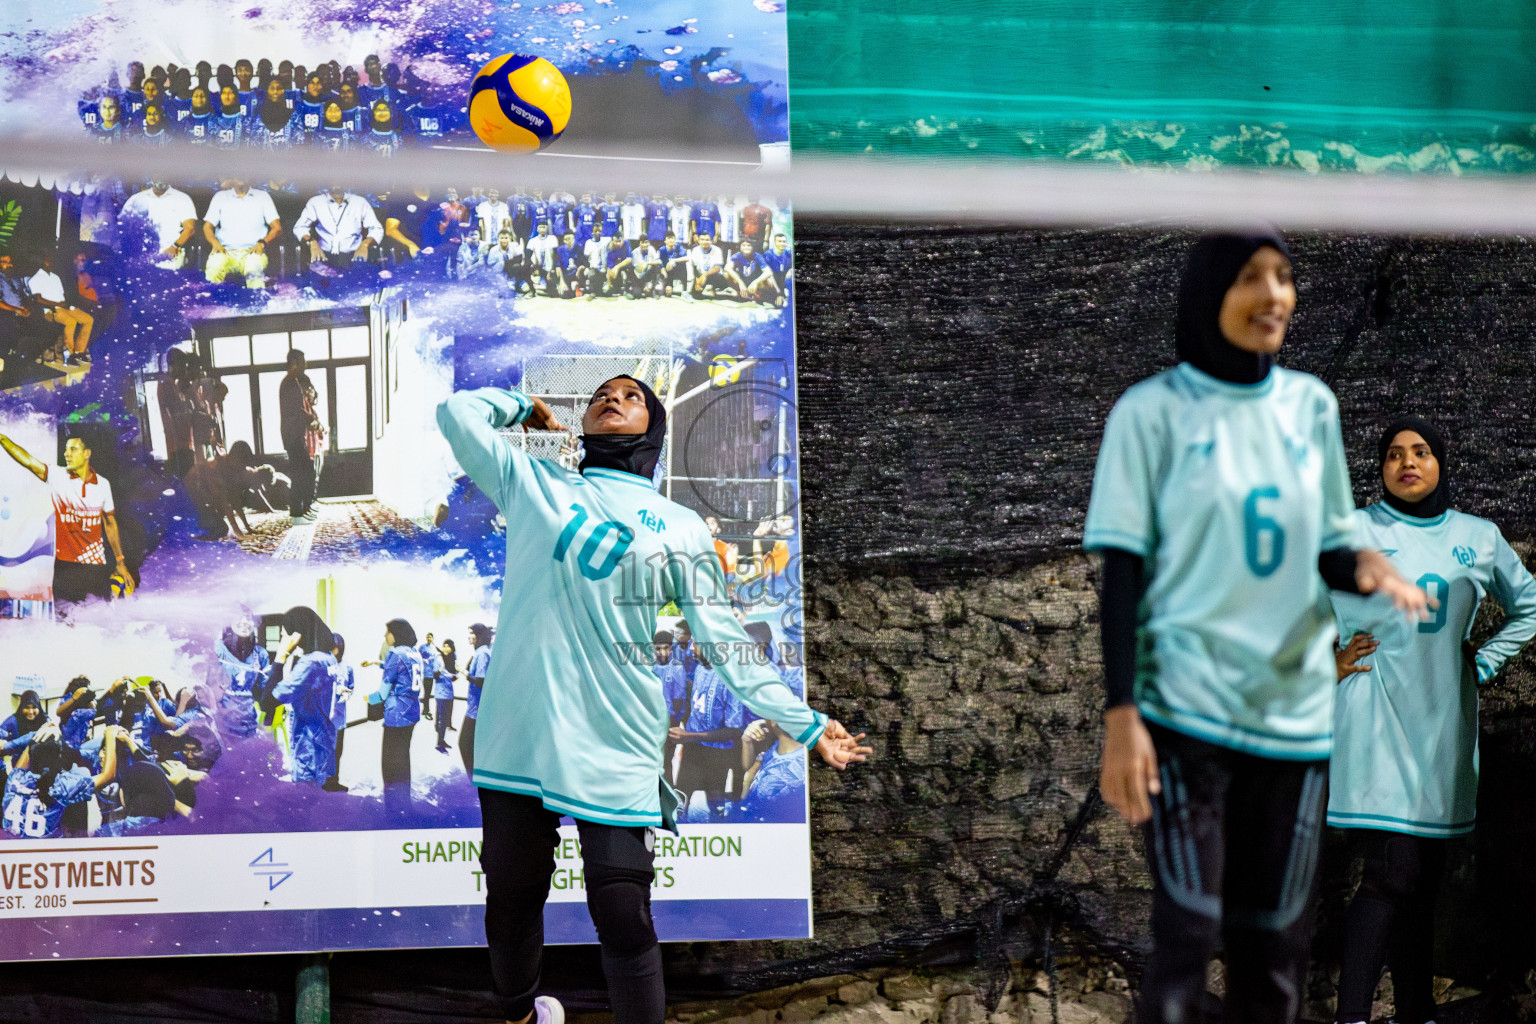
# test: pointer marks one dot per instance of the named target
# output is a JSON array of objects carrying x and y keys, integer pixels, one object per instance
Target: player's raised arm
[
  {"x": 21, "y": 455},
  {"x": 470, "y": 421}
]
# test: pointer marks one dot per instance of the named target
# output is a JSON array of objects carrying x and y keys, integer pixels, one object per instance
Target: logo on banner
[
  {"x": 267, "y": 865},
  {"x": 723, "y": 370}
]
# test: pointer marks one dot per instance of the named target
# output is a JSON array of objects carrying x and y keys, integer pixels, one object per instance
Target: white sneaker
[{"x": 547, "y": 1010}]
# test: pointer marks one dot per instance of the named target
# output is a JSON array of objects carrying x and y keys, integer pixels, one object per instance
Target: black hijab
[
  {"x": 629, "y": 453},
  {"x": 274, "y": 113},
  {"x": 22, "y": 725},
  {"x": 314, "y": 634},
  {"x": 1437, "y": 500},
  {"x": 239, "y": 643},
  {"x": 401, "y": 630},
  {"x": 1213, "y": 264}
]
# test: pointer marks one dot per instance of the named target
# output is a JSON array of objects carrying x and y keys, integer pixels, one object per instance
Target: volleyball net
[{"x": 875, "y": 187}]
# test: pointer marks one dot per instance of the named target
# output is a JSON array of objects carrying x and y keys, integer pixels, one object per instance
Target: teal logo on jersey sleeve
[
  {"x": 1298, "y": 448},
  {"x": 651, "y": 521},
  {"x": 1465, "y": 555}
]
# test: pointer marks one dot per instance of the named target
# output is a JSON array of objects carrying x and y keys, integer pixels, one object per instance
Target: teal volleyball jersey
[
  {"x": 1229, "y": 493},
  {"x": 1405, "y": 733},
  {"x": 570, "y": 711}
]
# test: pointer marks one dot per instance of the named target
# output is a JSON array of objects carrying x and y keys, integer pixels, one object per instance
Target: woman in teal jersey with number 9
[
  {"x": 572, "y": 721},
  {"x": 1222, "y": 505},
  {"x": 1403, "y": 778}
]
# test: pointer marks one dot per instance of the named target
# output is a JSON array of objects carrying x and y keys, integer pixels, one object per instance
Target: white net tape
[{"x": 887, "y": 189}]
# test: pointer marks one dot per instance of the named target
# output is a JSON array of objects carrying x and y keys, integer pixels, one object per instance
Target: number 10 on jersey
[{"x": 592, "y": 567}]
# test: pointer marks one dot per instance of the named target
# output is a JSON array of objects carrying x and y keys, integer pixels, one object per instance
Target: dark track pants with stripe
[{"x": 1233, "y": 850}]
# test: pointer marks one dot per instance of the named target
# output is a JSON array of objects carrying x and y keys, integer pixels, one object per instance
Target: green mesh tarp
[{"x": 1407, "y": 85}]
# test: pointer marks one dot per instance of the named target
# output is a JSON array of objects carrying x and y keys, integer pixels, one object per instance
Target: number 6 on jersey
[{"x": 1263, "y": 538}]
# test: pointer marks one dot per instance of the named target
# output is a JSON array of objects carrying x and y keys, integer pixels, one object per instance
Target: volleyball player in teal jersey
[
  {"x": 572, "y": 721},
  {"x": 1222, "y": 504},
  {"x": 1403, "y": 778}
]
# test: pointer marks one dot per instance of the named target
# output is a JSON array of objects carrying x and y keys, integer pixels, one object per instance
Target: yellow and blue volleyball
[{"x": 519, "y": 103}]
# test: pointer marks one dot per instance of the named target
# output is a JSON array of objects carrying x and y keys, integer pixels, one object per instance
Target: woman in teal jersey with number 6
[
  {"x": 1403, "y": 778},
  {"x": 1222, "y": 505},
  {"x": 572, "y": 721}
]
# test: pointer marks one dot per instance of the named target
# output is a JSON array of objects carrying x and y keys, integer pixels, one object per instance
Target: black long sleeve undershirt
[{"x": 1121, "y": 594}]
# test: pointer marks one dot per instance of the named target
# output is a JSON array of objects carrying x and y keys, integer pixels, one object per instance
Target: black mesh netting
[
  {"x": 952, "y": 388},
  {"x": 953, "y": 384}
]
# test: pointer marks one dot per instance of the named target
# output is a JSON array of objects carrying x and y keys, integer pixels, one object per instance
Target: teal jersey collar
[
  {"x": 619, "y": 475},
  {"x": 1204, "y": 380},
  {"x": 1438, "y": 520}
]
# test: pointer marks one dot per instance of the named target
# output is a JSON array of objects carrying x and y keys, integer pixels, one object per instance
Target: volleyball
[{"x": 519, "y": 104}]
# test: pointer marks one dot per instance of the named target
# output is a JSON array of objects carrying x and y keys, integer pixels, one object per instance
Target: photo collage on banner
[{"x": 228, "y": 515}]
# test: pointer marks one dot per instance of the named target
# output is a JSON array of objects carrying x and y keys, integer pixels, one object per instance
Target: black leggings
[
  {"x": 341, "y": 742},
  {"x": 396, "y": 769},
  {"x": 1233, "y": 849},
  {"x": 1391, "y": 922},
  {"x": 518, "y": 858},
  {"x": 467, "y": 744}
]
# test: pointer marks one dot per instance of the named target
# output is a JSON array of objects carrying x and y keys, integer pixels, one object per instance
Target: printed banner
[{"x": 226, "y": 507}]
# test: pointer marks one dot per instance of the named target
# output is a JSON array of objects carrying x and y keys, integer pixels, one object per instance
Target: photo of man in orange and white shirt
[{"x": 84, "y": 518}]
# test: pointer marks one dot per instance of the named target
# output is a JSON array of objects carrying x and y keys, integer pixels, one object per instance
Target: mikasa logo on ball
[{"x": 526, "y": 115}]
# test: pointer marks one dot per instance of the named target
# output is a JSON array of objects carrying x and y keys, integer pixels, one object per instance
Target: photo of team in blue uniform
[
  {"x": 270, "y": 106},
  {"x": 104, "y": 764}
]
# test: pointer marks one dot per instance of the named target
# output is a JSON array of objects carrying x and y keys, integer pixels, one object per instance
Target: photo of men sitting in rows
[{"x": 559, "y": 245}]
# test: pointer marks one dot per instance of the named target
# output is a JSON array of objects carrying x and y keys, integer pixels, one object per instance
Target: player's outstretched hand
[
  {"x": 1375, "y": 574},
  {"x": 839, "y": 748},
  {"x": 1128, "y": 771},
  {"x": 1347, "y": 658},
  {"x": 542, "y": 417}
]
